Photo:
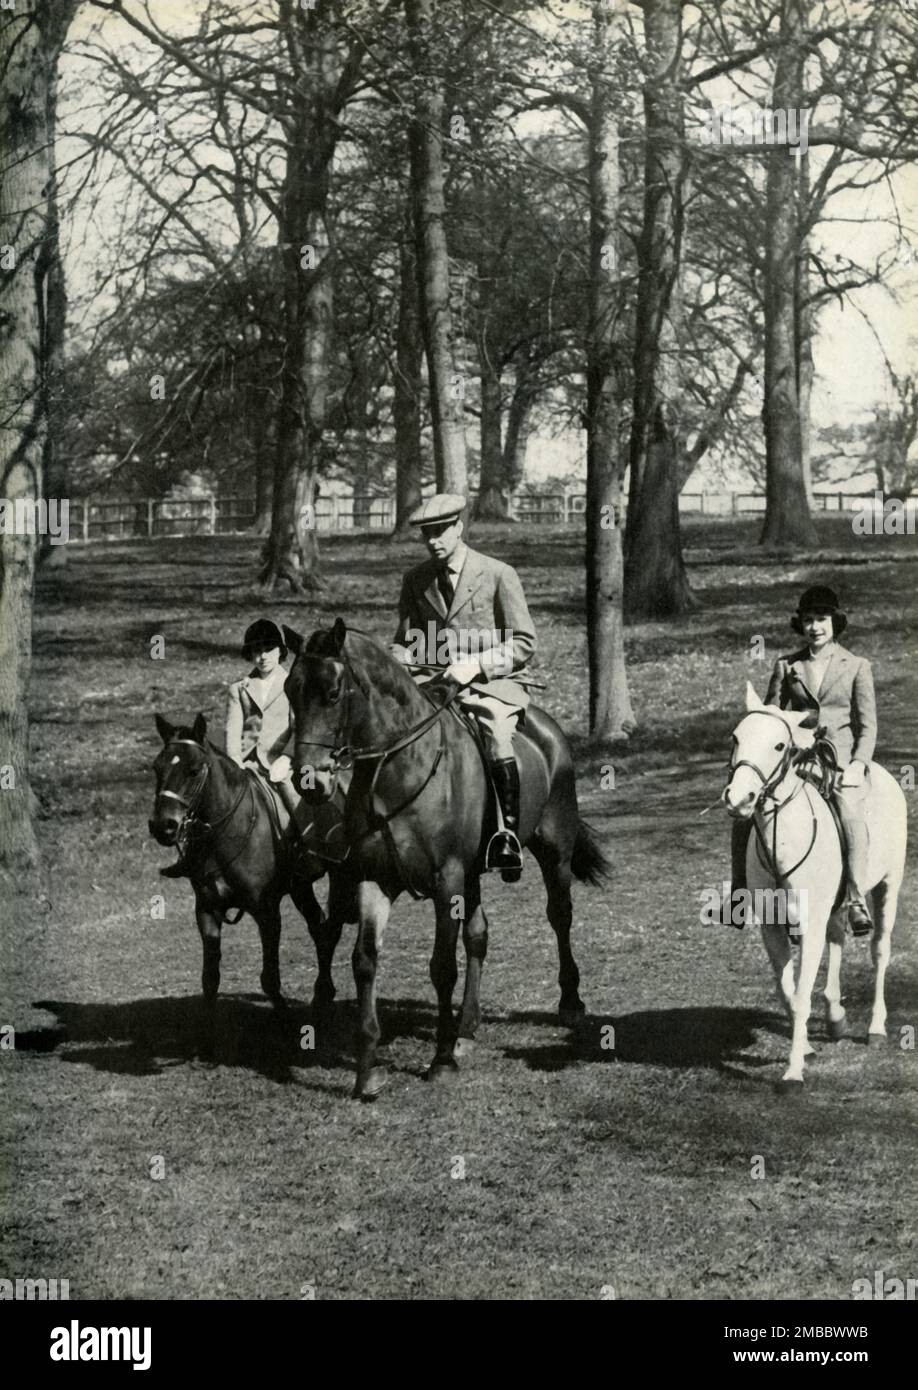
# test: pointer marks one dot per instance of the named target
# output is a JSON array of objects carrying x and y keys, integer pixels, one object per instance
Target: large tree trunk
[
  {"x": 519, "y": 415},
  {"x": 264, "y": 481},
  {"x": 426, "y": 144},
  {"x": 611, "y": 715},
  {"x": 656, "y": 584},
  {"x": 491, "y": 504},
  {"x": 49, "y": 271},
  {"x": 787, "y": 514},
  {"x": 406, "y": 403},
  {"x": 291, "y": 552},
  {"x": 804, "y": 314},
  {"x": 30, "y": 37}
]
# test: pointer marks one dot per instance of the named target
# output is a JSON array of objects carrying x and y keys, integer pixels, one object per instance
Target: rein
[
  {"x": 189, "y": 826},
  {"x": 789, "y": 757}
]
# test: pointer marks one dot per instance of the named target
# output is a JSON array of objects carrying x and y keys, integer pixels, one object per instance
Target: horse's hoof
[
  {"x": 877, "y": 1040},
  {"x": 838, "y": 1028},
  {"x": 443, "y": 1071},
  {"x": 369, "y": 1086},
  {"x": 464, "y": 1048},
  {"x": 790, "y": 1086}
]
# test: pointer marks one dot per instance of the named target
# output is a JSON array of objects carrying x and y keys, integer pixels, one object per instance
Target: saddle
[{"x": 302, "y": 832}]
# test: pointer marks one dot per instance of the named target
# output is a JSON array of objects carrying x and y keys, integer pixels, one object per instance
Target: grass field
[{"x": 554, "y": 1167}]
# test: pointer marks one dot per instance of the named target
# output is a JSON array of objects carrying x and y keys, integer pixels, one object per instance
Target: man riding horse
[{"x": 463, "y": 618}]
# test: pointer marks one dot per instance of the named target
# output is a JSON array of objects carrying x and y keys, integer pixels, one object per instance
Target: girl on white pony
[{"x": 834, "y": 688}]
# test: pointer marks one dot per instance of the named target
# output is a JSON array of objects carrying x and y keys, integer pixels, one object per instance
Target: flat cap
[{"x": 443, "y": 506}]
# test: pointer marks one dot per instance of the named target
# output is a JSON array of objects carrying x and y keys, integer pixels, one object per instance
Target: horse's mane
[{"x": 387, "y": 676}]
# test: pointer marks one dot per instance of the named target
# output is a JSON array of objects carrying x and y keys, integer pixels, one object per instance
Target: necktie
[{"x": 445, "y": 585}]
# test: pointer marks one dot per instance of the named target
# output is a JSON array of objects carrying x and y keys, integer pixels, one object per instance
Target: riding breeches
[{"x": 497, "y": 719}]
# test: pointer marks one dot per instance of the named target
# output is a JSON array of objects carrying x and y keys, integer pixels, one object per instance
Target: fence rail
[{"x": 94, "y": 519}]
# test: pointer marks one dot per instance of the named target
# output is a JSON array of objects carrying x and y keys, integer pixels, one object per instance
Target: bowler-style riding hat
[
  {"x": 443, "y": 506},
  {"x": 820, "y": 600},
  {"x": 263, "y": 634}
]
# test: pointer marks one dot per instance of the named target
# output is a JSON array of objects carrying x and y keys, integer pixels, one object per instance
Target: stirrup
[{"x": 505, "y": 854}]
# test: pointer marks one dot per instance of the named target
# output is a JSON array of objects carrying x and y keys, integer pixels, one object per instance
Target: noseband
[{"x": 772, "y": 780}]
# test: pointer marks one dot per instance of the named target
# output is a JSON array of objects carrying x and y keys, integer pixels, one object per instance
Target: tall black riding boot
[{"x": 504, "y": 850}]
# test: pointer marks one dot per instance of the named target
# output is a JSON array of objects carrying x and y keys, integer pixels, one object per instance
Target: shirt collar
[{"x": 457, "y": 559}]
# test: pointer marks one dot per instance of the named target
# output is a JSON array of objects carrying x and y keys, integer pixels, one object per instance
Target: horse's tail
[{"x": 588, "y": 863}]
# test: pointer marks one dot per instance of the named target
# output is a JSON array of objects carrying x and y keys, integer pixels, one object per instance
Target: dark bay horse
[
  {"x": 415, "y": 820},
  {"x": 237, "y": 861}
]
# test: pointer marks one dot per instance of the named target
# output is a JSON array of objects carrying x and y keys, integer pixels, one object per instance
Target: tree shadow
[{"x": 144, "y": 1037}]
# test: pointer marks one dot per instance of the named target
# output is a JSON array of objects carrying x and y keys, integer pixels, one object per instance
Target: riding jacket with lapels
[
  {"x": 258, "y": 718},
  {"x": 488, "y": 618},
  {"x": 845, "y": 704}
]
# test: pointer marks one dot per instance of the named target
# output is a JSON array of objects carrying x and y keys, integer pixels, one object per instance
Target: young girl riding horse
[{"x": 837, "y": 687}]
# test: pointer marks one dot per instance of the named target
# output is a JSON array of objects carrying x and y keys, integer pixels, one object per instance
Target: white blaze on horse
[{"x": 795, "y": 845}]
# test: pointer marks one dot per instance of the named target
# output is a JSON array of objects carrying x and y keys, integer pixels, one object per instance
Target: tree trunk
[
  {"x": 519, "y": 414},
  {"x": 264, "y": 482},
  {"x": 611, "y": 715},
  {"x": 787, "y": 514},
  {"x": 491, "y": 504},
  {"x": 28, "y": 49},
  {"x": 804, "y": 316},
  {"x": 406, "y": 403},
  {"x": 656, "y": 583},
  {"x": 291, "y": 551},
  {"x": 49, "y": 271},
  {"x": 426, "y": 146}
]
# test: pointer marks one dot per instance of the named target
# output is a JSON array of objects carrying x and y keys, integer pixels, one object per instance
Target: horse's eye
[
  {"x": 334, "y": 697},
  {"x": 780, "y": 747}
]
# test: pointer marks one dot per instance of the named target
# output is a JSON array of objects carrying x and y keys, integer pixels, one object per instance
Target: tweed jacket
[
  {"x": 259, "y": 720},
  {"x": 845, "y": 705},
  {"x": 488, "y": 619}
]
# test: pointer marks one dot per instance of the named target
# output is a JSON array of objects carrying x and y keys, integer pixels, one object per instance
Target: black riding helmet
[
  {"x": 820, "y": 599},
  {"x": 263, "y": 634}
]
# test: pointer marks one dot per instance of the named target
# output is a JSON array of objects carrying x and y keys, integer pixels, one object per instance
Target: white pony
[{"x": 794, "y": 845}]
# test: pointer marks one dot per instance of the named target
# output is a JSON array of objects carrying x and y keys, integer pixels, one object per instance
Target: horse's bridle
[
  {"x": 343, "y": 753},
  {"x": 779, "y": 772},
  {"x": 189, "y": 799},
  {"x": 769, "y": 854}
]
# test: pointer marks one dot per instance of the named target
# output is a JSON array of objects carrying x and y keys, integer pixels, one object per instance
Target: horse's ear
[
  {"x": 339, "y": 632},
  {"x": 199, "y": 729},
  {"x": 166, "y": 730},
  {"x": 752, "y": 700},
  {"x": 293, "y": 639},
  {"x": 803, "y": 737}
]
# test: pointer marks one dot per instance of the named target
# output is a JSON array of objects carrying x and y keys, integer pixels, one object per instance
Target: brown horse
[
  {"x": 416, "y": 818},
  {"x": 237, "y": 861}
]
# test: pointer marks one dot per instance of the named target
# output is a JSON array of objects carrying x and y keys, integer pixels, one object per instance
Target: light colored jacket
[
  {"x": 488, "y": 617},
  {"x": 845, "y": 706},
  {"x": 259, "y": 720}
]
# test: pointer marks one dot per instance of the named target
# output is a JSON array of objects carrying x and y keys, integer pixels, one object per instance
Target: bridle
[
  {"x": 343, "y": 752},
  {"x": 791, "y": 754},
  {"x": 189, "y": 799},
  {"x": 778, "y": 773}
]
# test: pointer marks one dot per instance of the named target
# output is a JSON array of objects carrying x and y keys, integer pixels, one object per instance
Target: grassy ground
[{"x": 554, "y": 1167}]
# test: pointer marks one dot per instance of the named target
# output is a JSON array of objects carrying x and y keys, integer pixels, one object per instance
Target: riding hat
[
  {"x": 820, "y": 599},
  {"x": 442, "y": 507},
  {"x": 263, "y": 633}
]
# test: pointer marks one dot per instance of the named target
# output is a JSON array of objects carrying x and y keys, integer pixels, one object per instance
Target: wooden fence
[{"x": 95, "y": 519}]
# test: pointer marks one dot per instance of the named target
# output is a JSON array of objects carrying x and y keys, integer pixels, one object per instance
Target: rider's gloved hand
[
  {"x": 401, "y": 653},
  {"x": 463, "y": 672},
  {"x": 280, "y": 769},
  {"x": 853, "y": 775}
]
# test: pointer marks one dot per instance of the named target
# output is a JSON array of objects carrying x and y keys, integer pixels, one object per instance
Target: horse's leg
[
  {"x": 269, "y": 929},
  {"x": 475, "y": 941},
  {"x": 885, "y": 897},
  {"x": 443, "y": 970},
  {"x": 326, "y": 933},
  {"x": 373, "y": 914},
  {"x": 836, "y": 1018},
  {"x": 814, "y": 939},
  {"x": 210, "y": 926},
  {"x": 556, "y": 875},
  {"x": 782, "y": 963}
]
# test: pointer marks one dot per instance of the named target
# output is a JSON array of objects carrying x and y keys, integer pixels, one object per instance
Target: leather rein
[{"x": 789, "y": 757}]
